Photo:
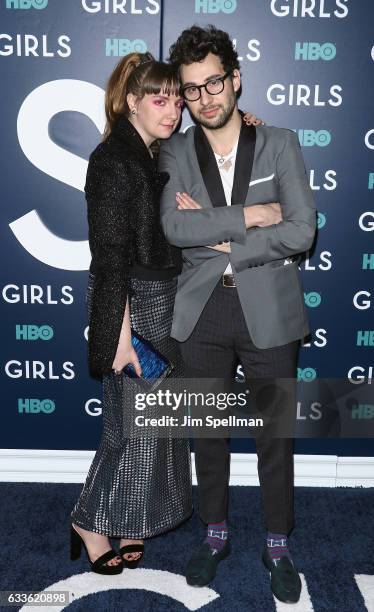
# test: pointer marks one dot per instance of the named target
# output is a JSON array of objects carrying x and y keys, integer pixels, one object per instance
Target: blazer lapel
[
  {"x": 209, "y": 169},
  {"x": 244, "y": 162}
]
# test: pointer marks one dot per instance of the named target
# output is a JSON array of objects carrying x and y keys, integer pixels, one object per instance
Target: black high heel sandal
[
  {"x": 97, "y": 566},
  {"x": 129, "y": 548}
]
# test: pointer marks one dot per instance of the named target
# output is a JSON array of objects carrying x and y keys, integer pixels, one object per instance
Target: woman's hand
[
  {"x": 126, "y": 354},
  {"x": 125, "y": 351},
  {"x": 252, "y": 119},
  {"x": 185, "y": 202}
]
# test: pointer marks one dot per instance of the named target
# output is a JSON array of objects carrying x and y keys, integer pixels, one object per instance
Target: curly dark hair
[{"x": 194, "y": 44}]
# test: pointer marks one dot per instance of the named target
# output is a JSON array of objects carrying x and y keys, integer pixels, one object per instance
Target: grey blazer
[{"x": 269, "y": 168}]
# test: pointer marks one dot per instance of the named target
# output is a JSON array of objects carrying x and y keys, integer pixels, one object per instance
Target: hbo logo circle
[
  {"x": 312, "y": 299},
  {"x": 45, "y": 332},
  {"x": 323, "y": 138},
  {"x": 327, "y": 51},
  {"x": 321, "y": 220},
  {"x": 228, "y": 6},
  {"x": 306, "y": 374},
  {"x": 47, "y": 406},
  {"x": 138, "y": 46}
]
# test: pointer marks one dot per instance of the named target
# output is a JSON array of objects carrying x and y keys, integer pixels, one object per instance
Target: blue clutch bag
[{"x": 155, "y": 366}]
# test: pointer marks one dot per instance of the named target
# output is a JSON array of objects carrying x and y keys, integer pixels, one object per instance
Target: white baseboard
[
  {"x": 18, "y": 465},
  {"x": 355, "y": 471}
]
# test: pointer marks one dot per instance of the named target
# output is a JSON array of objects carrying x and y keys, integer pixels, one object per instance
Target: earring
[{"x": 133, "y": 112}]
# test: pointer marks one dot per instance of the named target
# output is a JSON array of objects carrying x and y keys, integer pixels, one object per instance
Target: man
[{"x": 241, "y": 297}]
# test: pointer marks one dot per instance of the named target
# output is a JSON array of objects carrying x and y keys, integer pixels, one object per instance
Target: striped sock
[
  {"x": 217, "y": 534},
  {"x": 277, "y": 544}
]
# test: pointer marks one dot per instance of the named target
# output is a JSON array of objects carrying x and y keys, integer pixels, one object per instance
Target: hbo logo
[
  {"x": 310, "y": 138},
  {"x": 118, "y": 47},
  {"x": 215, "y": 6},
  {"x": 314, "y": 51},
  {"x": 34, "y": 406},
  {"x": 26, "y": 4},
  {"x": 33, "y": 332},
  {"x": 362, "y": 411}
]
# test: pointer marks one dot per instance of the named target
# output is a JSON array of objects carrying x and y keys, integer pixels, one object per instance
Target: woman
[{"x": 136, "y": 487}]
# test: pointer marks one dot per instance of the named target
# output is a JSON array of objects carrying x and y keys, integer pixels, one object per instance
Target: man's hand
[
  {"x": 185, "y": 202},
  {"x": 262, "y": 215},
  {"x": 222, "y": 248}
]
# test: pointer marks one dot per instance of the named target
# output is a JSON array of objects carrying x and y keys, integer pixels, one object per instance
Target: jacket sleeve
[
  {"x": 190, "y": 228},
  {"x": 109, "y": 207},
  {"x": 295, "y": 233}
]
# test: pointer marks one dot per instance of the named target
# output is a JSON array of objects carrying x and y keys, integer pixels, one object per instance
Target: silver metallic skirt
[{"x": 137, "y": 487}]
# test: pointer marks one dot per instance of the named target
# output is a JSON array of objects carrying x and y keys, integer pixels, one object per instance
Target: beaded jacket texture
[{"x": 123, "y": 190}]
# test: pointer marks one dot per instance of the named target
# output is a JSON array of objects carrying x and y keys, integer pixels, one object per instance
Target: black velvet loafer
[
  {"x": 202, "y": 566},
  {"x": 285, "y": 581}
]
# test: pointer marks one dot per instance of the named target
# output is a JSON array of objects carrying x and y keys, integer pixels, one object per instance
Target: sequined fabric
[{"x": 137, "y": 487}]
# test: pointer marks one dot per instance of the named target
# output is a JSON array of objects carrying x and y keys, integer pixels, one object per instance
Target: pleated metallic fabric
[{"x": 137, "y": 487}]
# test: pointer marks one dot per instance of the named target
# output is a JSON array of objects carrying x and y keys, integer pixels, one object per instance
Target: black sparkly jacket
[{"x": 123, "y": 190}]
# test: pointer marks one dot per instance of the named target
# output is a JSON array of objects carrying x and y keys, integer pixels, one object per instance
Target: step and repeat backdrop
[{"x": 307, "y": 65}]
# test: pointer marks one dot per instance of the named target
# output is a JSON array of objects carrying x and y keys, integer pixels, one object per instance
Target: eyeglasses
[{"x": 213, "y": 87}]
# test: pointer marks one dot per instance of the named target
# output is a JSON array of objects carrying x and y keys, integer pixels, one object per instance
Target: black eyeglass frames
[{"x": 213, "y": 87}]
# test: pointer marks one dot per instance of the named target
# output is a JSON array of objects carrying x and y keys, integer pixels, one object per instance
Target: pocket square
[{"x": 261, "y": 180}]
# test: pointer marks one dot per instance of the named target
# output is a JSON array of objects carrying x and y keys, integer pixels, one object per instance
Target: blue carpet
[{"x": 35, "y": 551}]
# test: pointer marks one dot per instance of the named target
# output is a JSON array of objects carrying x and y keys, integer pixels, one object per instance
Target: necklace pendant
[{"x": 227, "y": 165}]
